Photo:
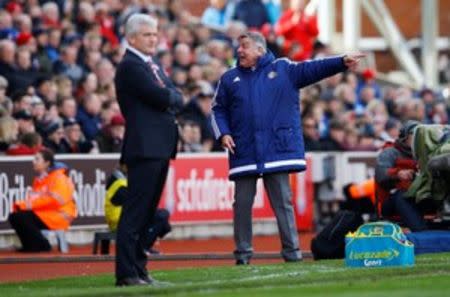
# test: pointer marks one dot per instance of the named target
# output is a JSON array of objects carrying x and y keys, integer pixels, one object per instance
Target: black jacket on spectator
[
  {"x": 329, "y": 144},
  {"x": 8, "y": 72},
  {"x": 311, "y": 144},
  {"x": 193, "y": 113},
  {"x": 56, "y": 148},
  {"x": 151, "y": 130},
  {"x": 25, "y": 78},
  {"x": 80, "y": 147},
  {"x": 107, "y": 144}
]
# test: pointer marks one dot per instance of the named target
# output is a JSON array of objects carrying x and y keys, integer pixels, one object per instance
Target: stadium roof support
[
  {"x": 429, "y": 42},
  {"x": 352, "y": 24},
  {"x": 326, "y": 19},
  {"x": 382, "y": 19}
]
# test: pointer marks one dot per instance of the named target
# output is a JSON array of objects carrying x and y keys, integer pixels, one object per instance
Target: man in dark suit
[{"x": 148, "y": 101}]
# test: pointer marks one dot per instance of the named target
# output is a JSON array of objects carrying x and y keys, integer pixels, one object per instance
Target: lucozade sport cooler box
[{"x": 378, "y": 244}]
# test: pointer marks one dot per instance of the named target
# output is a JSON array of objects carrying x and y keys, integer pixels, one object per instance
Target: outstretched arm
[{"x": 306, "y": 73}]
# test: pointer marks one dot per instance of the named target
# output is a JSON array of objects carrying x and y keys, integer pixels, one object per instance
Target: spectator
[
  {"x": 88, "y": 116},
  {"x": 110, "y": 139},
  {"x": 50, "y": 204},
  {"x": 394, "y": 173},
  {"x": 110, "y": 108},
  {"x": 25, "y": 74},
  {"x": 299, "y": 30},
  {"x": 29, "y": 144},
  {"x": 85, "y": 19},
  {"x": 182, "y": 56},
  {"x": 54, "y": 135},
  {"x": 6, "y": 104},
  {"x": 46, "y": 89},
  {"x": 21, "y": 101},
  {"x": 311, "y": 134},
  {"x": 218, "y": 14},
  {"x": 190, "y": 140},
  {"x": 67, "y": 108},
  {"x": 87, "y": 85},
  {"x": 9, "y": 131},
  {"x": 91, "y": 59},
  {"x": 38, "y": 111},
  {"x": 252, "y": 13},
  {"x": 391, "y": 130},
  {"x": 64, "y": 86},
  {"x": 272, "y": 40},
  {"x": 67, "y": 66},
  {"x": 42, "y": 55},
  {"x": 368, "y": 80},
  {"x": 105, "y": 74},
  {"x": 54, "y": 44},
  {"x": 7, "y": 63},
  {"x": 73, "y": 138},
  {"x": 24, "y": 121},
  {"x": 7, "y": 31},
  {"x": 336, "y": 137},
  {"x": 50, "y": 16},
  {"x": 273, "y": 8},
  {"x": 199, "y": 111},
  {"x": 106, "y": 22}
]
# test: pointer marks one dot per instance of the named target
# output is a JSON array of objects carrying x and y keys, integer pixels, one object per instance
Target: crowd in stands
[{"x": 58, "y": 59}]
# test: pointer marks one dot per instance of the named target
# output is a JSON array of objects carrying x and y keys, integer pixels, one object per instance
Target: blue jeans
[{"x": 398, "y": 204}]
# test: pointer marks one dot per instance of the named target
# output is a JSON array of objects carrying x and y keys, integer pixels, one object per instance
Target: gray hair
[
  {"x": 257, "y": 37},
  {"x": 135, "y": 21}
]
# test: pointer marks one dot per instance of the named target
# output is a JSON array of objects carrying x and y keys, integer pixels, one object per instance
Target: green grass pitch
[{"x": 429, "y": 277}]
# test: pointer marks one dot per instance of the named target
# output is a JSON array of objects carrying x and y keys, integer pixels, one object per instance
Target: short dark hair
[
  {"x": 31, "y": 139},
  {"x": 48, "y": 156}
]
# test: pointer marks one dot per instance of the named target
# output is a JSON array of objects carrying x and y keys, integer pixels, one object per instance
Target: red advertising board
[{"x": 198, "y": 190}]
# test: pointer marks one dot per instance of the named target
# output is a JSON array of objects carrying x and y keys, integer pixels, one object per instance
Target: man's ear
[
  {"x": 131, "y": 40},
  {"x": 261, "y": 51}
]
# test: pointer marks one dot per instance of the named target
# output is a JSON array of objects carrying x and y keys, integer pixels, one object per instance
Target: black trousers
[
  {"x": 159, "y": 227},
  {"x": 146, "y": 180},
  {"x": 28, "y": 227}
]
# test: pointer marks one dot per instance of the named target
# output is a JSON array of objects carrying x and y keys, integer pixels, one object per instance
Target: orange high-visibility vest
[
  {"x": 51, "y": 199},
  {"x": 363, "y": 190}
]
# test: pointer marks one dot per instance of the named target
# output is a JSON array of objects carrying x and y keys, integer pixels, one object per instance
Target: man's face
[
  {"x": 73, "y": 133},
  {"x": 248, "y": 52},
  {"x": 57, "y": 136},
  {"x": 118, "y": 132},
  {"x": 145, "y": 40}
]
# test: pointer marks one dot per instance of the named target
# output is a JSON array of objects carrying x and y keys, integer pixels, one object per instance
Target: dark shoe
[
  {"x": 293, "y": 260},
  {"x": 151, "y": 251},
  {"x": 242, "y": 262},
  {"x": 147, "y": 279},
  {"x": 130, "y": 281},
  {"x": 24, "y": 250}
]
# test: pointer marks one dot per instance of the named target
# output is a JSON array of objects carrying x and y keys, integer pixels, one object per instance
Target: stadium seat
[
  {"x": 104, "y": 238},
  {"x": 60, "y": 236}
]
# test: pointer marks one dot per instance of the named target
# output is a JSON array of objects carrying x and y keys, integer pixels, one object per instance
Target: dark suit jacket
[{"x": 151, "y": 129}]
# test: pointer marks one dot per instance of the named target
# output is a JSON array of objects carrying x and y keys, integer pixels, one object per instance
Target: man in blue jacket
[{"x": 256, "y": 116}]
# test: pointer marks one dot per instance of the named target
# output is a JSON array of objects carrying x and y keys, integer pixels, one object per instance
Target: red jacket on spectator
[
  {"x": 299, "y": 35},
  {"x": 107, "y": 29},
  {"x": 22, "y": 150}
]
